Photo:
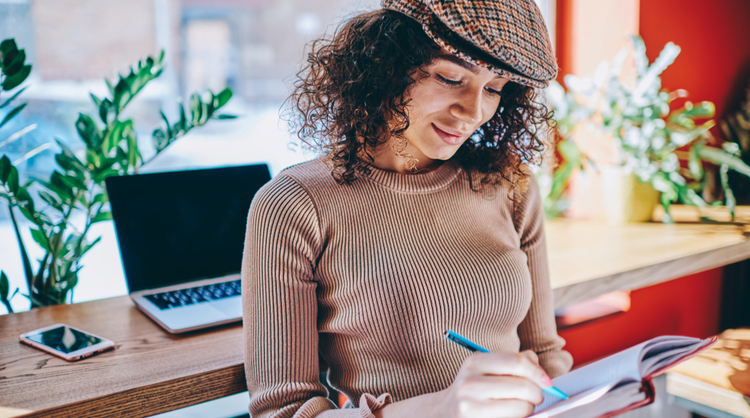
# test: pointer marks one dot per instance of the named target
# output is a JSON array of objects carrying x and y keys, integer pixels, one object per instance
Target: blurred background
[{"x": 255, "y": 47}]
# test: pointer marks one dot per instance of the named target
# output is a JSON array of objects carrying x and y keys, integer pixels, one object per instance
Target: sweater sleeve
[
  {"x": 538, "y": 331},
  {"x": 283, "y": 242}
]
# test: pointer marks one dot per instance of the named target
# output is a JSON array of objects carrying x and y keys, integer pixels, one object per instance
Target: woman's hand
[{"x": 495, "y": 385}]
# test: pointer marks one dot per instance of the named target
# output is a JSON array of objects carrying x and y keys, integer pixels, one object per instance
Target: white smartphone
[{"x": 67, "y": 342}]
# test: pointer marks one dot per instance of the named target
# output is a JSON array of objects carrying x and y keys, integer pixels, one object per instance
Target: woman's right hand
[{"x": 494, "y": 385}]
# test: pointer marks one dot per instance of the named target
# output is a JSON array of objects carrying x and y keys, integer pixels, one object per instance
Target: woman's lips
[{"x": 448, "y": 138}]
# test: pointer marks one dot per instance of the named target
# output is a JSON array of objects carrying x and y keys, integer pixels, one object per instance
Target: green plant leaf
[
  {"x": 4, "y": 286},
  {"x": 5, "y": 167},
  {"x": 12, "y": 114},
  {"x": 97, "y": 101},
  {"x": 115, "y": 134},
  {"x": 12, "y": 181},
  {"x": 4, "y": 290},
  {"x": 16, "y": 79},
  {"x": 40, "y": 238},
  {"x": 183, "y": 123},
  {"x": 85, "y": 247},
  {"x": 689, "y": 197},
  {"x": 93, "y": 159},
  {"x": 122, "y": 95},
  {"x": 719, "y": 157},
  {"x": 16, "y": 94},
  {"x": 225, "y": 116},
  {"x": 641, "y": 61},
  {"x": 106, "y": 163},
  {"x": 51, "y": 199},
  {"x": 195, "y": 109},
  {"x": 729, "y": 199},
  {"x": 69, "y": 283},
  {"x": 102, "y": 216},
  {"x": 24, "y": 199},
  {"x": 58, "y": 186},
  {"x": 103, "y": 174},
  {"x": 107, "y": 111},
  {"x": 100, "y": 198},
  {"x": 159, "y": 139},
  {"x": 67, "y": 160},
  {"x": 169, "y": 133},
  {"x": 668, "y": 189},
  {"x": 29, "y": 215},
  {"x": 694, "y": 163},
  {"x": 6, "y": 48},
  {"x": 682, "y": 121},
  {"x": 133, "y": 153},
  {"x": 222, "y": 98},
  {"x": 701, "y": 110},
  {"x": 109, "y": 87},
  {"x": 73, "y": 182},
  {"x": 88, "y": 131},
  {"x": 14, "y": 62}
]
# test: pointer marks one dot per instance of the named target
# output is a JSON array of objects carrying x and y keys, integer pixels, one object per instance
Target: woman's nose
[{"x": 469, "y": 107}]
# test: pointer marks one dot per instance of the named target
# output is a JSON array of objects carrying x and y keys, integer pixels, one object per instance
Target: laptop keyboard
[{"x": 190, "y": 296}]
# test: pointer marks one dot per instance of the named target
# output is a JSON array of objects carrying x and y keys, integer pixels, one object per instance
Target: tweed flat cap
[{"x": 506, "y": 36}]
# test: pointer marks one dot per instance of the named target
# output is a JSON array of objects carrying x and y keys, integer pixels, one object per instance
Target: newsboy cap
[{"x": 506, "y": 36}]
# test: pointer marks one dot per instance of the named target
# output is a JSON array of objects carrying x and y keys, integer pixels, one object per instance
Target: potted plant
[
  {"x": 63, "y": 207},
  {"x": 657, "y": 146}
]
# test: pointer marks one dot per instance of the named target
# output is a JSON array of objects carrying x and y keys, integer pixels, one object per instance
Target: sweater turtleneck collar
[{"x": 424, "y": 182}]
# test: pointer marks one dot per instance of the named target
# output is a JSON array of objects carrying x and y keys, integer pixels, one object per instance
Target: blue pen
[{"x": 472, "y": 346}]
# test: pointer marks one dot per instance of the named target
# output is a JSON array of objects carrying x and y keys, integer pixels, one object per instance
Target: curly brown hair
[{"x": 349, "y": 99}]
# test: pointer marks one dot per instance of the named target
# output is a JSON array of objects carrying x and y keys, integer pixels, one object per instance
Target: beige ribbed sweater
[{"x": 363, "y": 279}]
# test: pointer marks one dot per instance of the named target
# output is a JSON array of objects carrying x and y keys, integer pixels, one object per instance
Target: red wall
[
  {"x": 714, "y": 36},
  {"x": 563, "y": 38},
  {"x": 686, "y": 306}
]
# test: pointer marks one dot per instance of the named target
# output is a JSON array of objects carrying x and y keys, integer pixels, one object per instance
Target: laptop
[{"x": 181, "y": 235}]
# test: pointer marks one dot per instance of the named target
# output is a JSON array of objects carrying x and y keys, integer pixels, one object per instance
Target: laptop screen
[{"x": 182, "y": 226}]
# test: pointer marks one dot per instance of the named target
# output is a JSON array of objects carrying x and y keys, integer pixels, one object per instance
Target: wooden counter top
[
  {"x": 151, "y": 371},
  {"x": 590, "y": 258}
]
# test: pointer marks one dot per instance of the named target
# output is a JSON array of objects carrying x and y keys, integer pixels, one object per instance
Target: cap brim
[{"x": 465, "y": 50}]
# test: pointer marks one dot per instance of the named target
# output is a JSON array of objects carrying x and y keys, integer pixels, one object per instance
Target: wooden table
[{"x": 151, "y": 371}]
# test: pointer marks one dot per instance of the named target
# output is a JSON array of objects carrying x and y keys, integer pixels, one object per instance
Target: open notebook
[{"x": 620, "y": 382}]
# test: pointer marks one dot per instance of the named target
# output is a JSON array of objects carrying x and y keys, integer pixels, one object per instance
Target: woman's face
[{"x": 447, "y": 104}]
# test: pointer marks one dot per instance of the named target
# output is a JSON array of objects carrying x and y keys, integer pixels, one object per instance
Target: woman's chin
[{"x": 442, "y": 154}]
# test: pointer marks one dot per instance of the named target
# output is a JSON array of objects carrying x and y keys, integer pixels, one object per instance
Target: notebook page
[
  {"x": 615, "y": 368},
  {"x": 663, "y": 359},
  {"x": 576, "y": 401},
  {"x": 671, "y": 353},
  {"x": 614, "y": 400}
]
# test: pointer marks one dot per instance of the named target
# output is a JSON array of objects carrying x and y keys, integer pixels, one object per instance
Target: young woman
[{"x": 419, "y": 217}]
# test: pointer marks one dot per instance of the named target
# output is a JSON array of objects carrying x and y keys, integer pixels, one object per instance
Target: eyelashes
[
  {"x": 448, "y": 81},
  {"x": 456, "y": 83}
]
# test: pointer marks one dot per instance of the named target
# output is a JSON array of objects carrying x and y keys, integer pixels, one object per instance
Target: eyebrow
[
  {"x": 456, "y": 60},
  {"x": 464, "y": 64}
]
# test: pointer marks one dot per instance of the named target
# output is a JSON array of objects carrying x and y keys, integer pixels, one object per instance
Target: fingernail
[{"x": 546, "y": 380}]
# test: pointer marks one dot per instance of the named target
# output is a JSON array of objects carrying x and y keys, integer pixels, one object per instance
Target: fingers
[
  {"x": 494, "y": 409},
  {"x": 484, "y": 387},
  {"x": 507, "y": 364},
  {"x": 531, "y": 355}
]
